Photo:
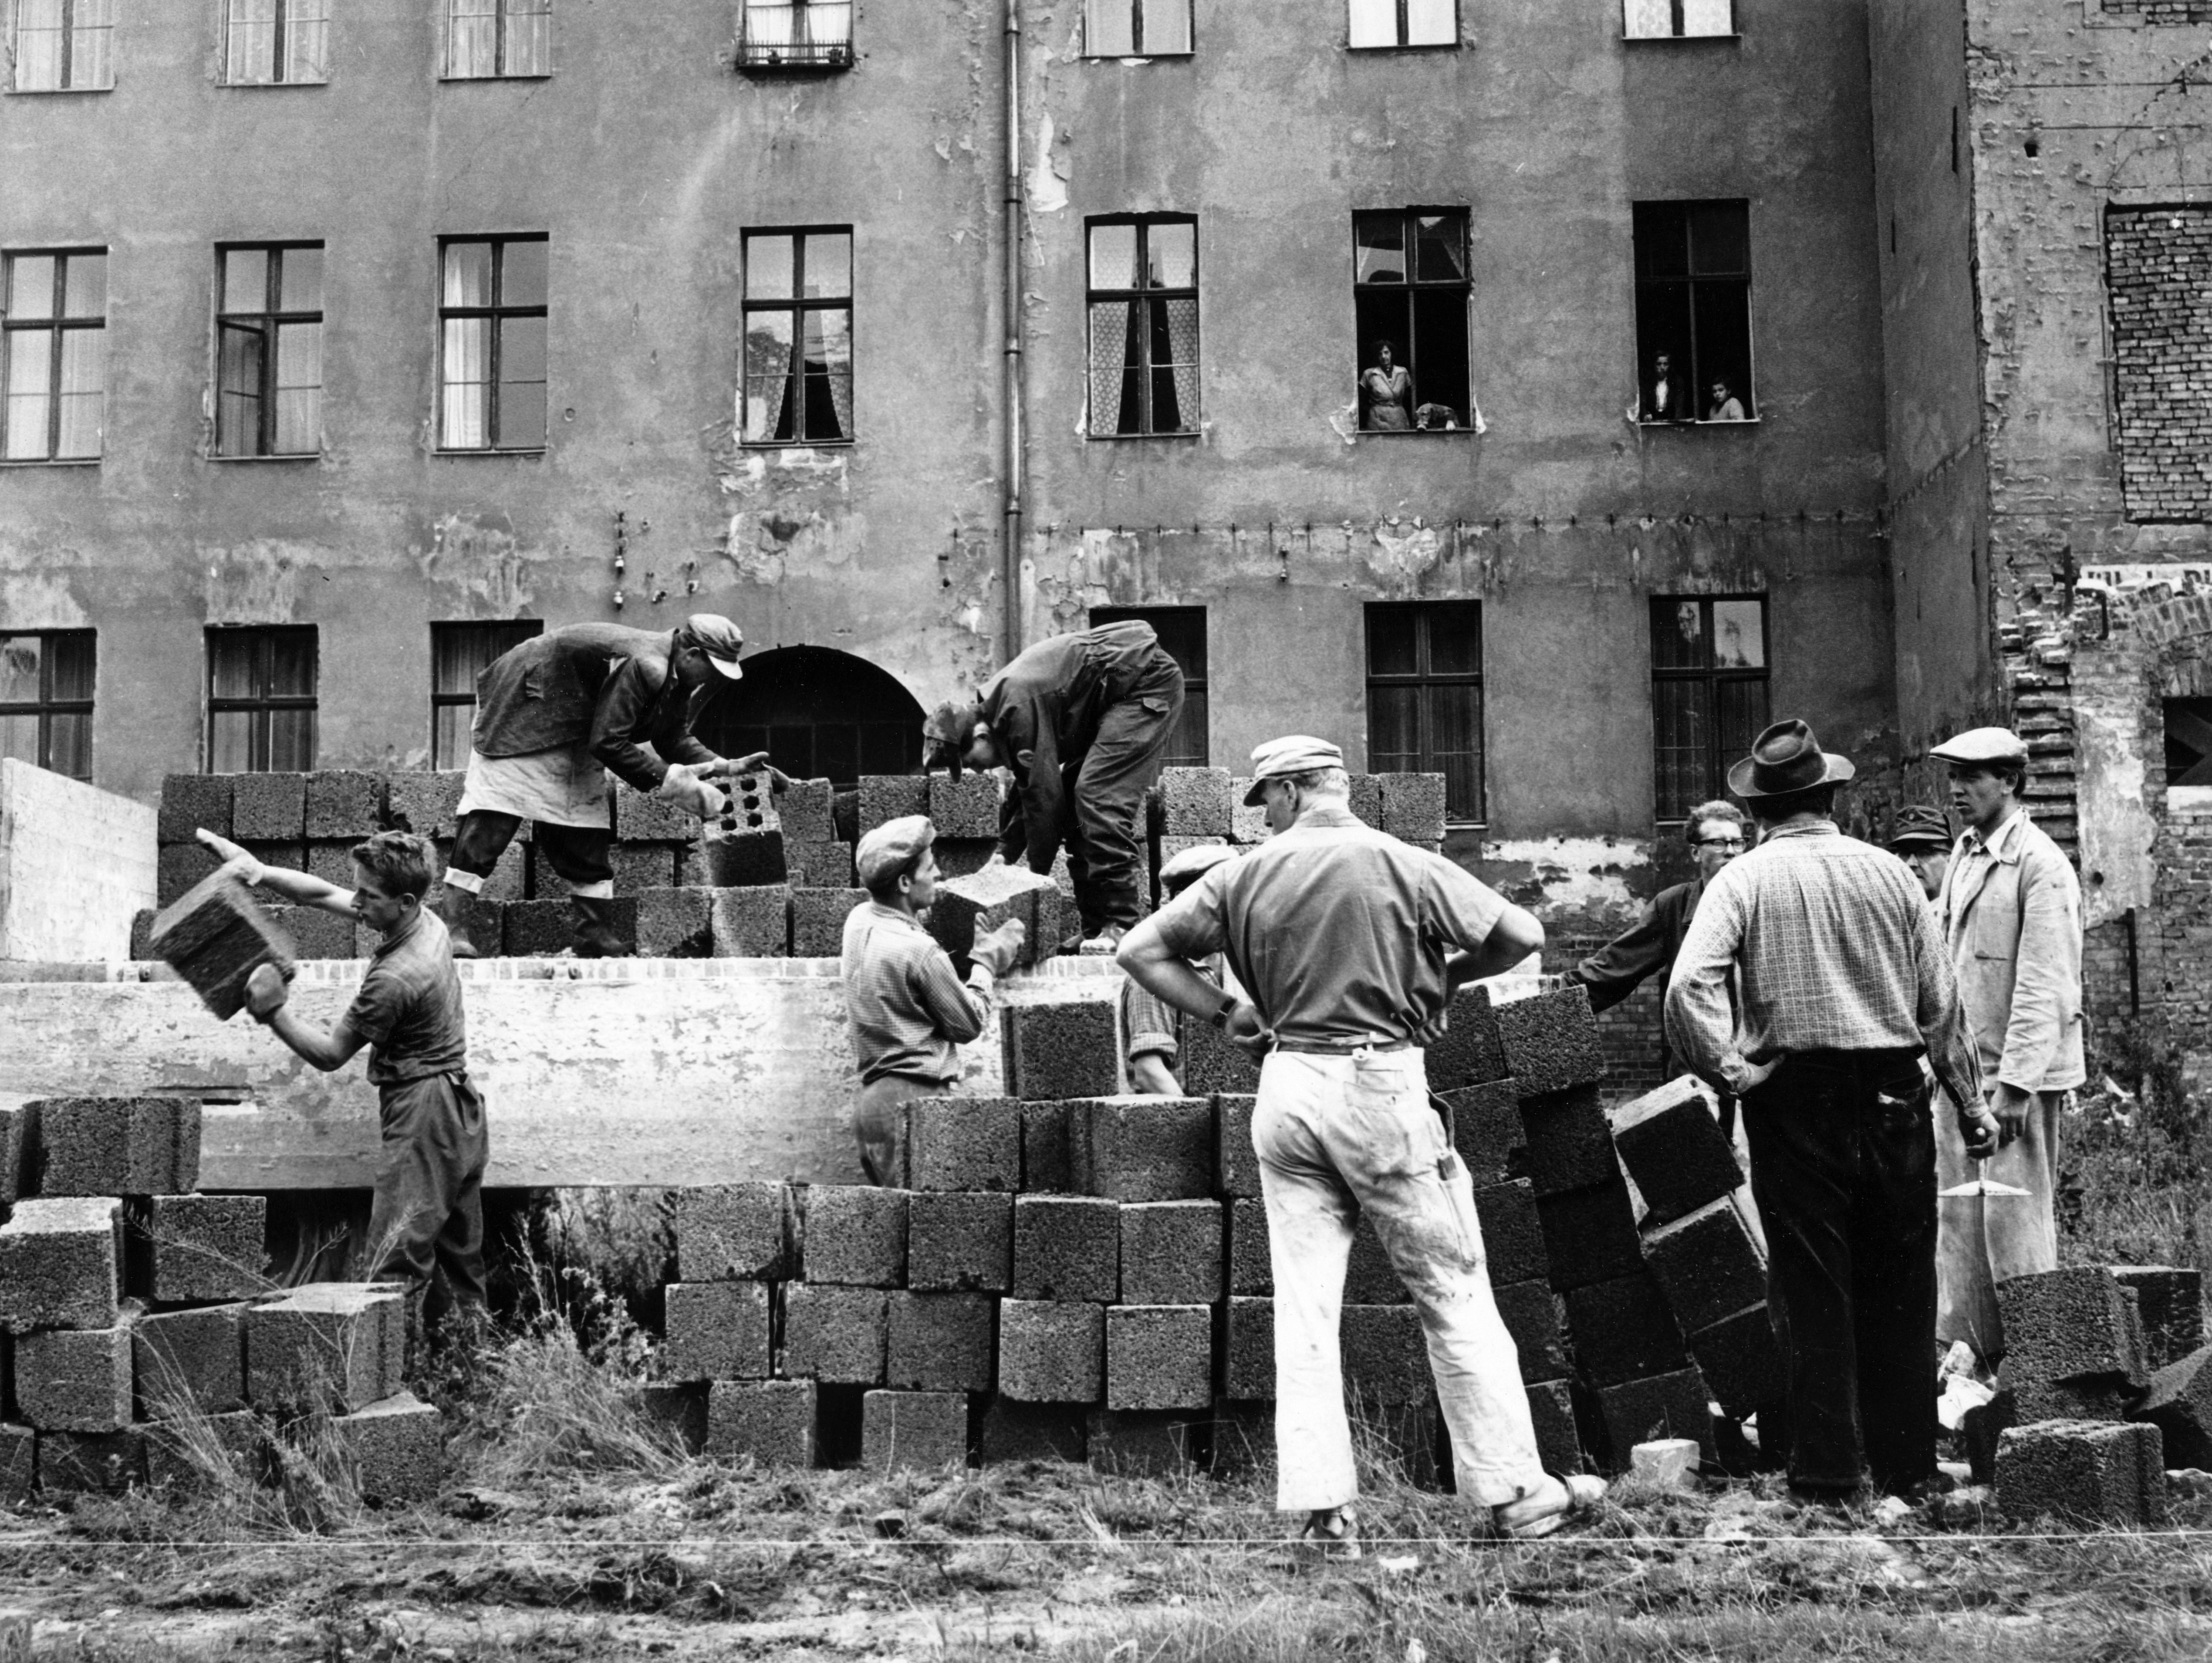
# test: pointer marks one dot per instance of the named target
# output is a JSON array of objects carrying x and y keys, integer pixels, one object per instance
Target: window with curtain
[
  {"x": 1410, "y": 298},
  {"x": 1709, "y": 686},
  {"x": 460, "y": 653},
  {"x": 1693, "y": 311},
  {"x": 1676, "y": 20},
  {"x": 45, "y": 700},
  {"x": 491, "y": 317},
  {"x": 269, "y": 350},
  {"x": 799, "y": 335},
  {"x": 54, "y": 371},
  {"x": 1144, "y": 325},
  {"x": 64, "y": 46},
  {"x": 271, "y": 43},
  {"x": 797, "y": 34},
  {"x": 1136, "y": 28},
  {"x": 1425, "y": 695},
  {"x": 261, "y": 699},
  {"x": 1404, "y": 23},
  {"x": 1182, "y": 630},
  {"x": 494, "y": 39}
]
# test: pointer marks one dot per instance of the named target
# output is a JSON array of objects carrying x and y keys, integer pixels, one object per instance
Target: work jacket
[
  {"x": 605, "y": 682},
  {"x": 1619, "y": 967},
  {"x": 2012, "y": 916}
]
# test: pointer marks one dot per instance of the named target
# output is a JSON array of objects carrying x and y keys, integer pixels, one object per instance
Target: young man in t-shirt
[{"x": 428, "y": 1217}]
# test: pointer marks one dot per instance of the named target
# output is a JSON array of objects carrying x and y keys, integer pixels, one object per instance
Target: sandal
[{"x": 1532, "y": 1517}]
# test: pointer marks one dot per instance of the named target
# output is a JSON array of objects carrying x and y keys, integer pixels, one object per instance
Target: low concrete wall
[{"x": 76, "y": 865}]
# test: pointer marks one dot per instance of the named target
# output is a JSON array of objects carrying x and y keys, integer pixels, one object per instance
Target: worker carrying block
[{"x": 1082, "y": 723}]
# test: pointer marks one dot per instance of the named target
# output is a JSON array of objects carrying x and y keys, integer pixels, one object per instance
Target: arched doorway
[{"x": 819, "y": 714}]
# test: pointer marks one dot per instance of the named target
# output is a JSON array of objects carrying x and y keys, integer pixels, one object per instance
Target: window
[
  {"x": 1665, "y": 20},
  {"x": 64, "y": 46},
  {"x": 490, "y": 40},
  {"x": 46, "y": 700},
  {"x": 1410, "y": 298},
  {"x": 1405, "y": 22},
  {"x": 492, "y": 368},
  {"x": 460, "y": 653},
  {"x": 2188, "y": 741},
  {"x": 1693, "y": 311},
  {"x": 799, "y": 335},
  {"x": 1136, "y": 28},
  {"x": 269, "y": 351},
  {"x": 1708, "y": 696},
  {"x": 1425, "y": 695},
  {"x": 269, "y": 43},
  {"x": 261, "y": 699},
  {"x": 55, "y": 373},
  {"x": 819, "y": 714},
  {"x": 797, "y": 34},
  {"x": 1144, "y": 325},
  {"x": 1182, "y": 630}
]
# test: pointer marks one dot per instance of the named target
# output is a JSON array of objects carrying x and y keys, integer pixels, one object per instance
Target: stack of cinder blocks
[{"x": 144, "y": 1336}]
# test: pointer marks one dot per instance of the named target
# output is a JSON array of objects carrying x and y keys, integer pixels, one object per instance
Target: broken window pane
[
  {"x": 1379, "y": 241},
  {"x": 1441, "y": 248}
]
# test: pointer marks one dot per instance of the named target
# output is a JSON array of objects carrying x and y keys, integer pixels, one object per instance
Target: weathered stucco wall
[{"x": 76, "y": 864}]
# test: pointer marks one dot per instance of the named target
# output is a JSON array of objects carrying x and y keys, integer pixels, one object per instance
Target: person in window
[
  {"x": 1725, "y": 406},
  {"x": 1387, "y": 387},
  {"x": 1668, "y": 397}
]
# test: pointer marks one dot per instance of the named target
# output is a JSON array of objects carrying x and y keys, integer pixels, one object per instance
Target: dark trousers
[
  {"x": 1843, "y": 1165},
  {"x": 426, "y": 1223},
  {"x": 1106, "y": 786},
  {"x": 579, "y": 854}
]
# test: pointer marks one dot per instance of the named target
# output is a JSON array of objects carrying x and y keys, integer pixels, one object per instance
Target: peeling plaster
[
  {"x": 480, "y": 559},
  {"x": 1399, "y": 558},
  {"x": 41, "y": 600},
  {"x": 1047, "y": 179},
  {"x": 1589, "y": 880},
  {"x": 768, "y": 546},
  {"x": 2117, "y": 828},
  {"x": 256, "y": 583}
]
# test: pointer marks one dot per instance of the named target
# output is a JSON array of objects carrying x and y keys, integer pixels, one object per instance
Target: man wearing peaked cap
[
  {"x": 2012, "y": 918},
  {"x": 1349, "y": 944},
  {"x": 1923, "y": 841}
]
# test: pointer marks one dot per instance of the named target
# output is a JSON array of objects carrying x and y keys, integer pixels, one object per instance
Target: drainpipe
[{"x": 1012, "y": 391}]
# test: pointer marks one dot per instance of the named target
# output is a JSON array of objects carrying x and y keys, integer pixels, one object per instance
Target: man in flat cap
[
  {"x": 910, "y": 1012},
  {"x": 554, "y": 716},
  {"x": 1923, "y": 842},
  {"x": 1842, "y": 981},
  {"x": 1082, "y": 721},
  {"x": 1152, "y": 1036},
  {"x": 2012, "y": 915},
  {"x": 1349, "y": 944}
]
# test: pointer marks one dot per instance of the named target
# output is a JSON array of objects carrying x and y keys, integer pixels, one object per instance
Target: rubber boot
[
  {"x": 596, "y": 936},
  {"x": 461, "y": 911}
]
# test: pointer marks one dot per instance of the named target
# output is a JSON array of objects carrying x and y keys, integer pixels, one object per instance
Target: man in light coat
[{"x": 2011, "y": 908}]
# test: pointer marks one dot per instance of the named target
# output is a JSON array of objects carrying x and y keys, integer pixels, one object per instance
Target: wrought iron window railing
[{"x": 811, "y": 34}]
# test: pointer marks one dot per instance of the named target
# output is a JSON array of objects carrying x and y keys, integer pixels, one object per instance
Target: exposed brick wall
[
  {"x": 2159, "y": 264},
  {"x": 2161, "y": 11}
]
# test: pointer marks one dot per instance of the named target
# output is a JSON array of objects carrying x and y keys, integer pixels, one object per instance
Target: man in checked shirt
[{"x": 1844, "y": 980}]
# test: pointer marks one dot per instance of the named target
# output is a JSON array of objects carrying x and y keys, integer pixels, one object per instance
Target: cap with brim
[
  {"x": 1787, "y": 758},
  {"x": 891, "y": 846},
  {"x": 1980, "y": 746},
  {"x": 1192, "y": 864},
  {"x": 1921, "y": 828},
  {"x": 1294, "y": 753},
  {"x": 720, "y": 639}
]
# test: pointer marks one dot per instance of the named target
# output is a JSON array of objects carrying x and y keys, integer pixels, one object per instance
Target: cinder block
[
  {"x": 1386, "y": 1358},
  {"x": 1236, "y": 1162},
  {"x": 1531, "y": 1313},
  {"x": 966, "y": 1143},
  {"x": 736, "y": 1232},
  {"x": 214, "y": 936},
  {"x": 1212, "y": 1063},
  {"x": 1741, "y": 1361},
  {"x": 1057, "y": 1052},
  {"x": 772, "y": 1421},
  {"x": 424, "y": 801},
  {"x": 939, "y": 1341},
  {"x": 1366, "y": 791},
  {"x": 191, "y": 802},
  {"x": 1159, "y": 1356},
  {"x": 717, "y": 1330},
  {"x": 1147, "y": 1443},
  {"x": 1589, "y": 1235},
  {"x": 827, "y": 865},
  {"x": 1052, "y": 1351},
  {"x": 545, "y": 929},
  {"x": 1044, "y": 1149},
  {"x": 1368, "y": 1275},
  {"x": 640, "y": 868},
  {"x": 315, "y": 933},
  {"x": 184, "y": 1248},
  {"x": 751, "y": 803},
  {"x": 2095, "y": 1397},
  {"x": 74, "y": 1379},
  {"x": 2069, "y": 1324},
  {"x": 2170, "y": 1301},
  {"x": 1551, "y": 1415},
  {"x": 962, "y": 857},
  {"x": 678, "y": 1410},
  {"x": 1067, "y": 1248},
  {"x": 268, "y": 807},
  {"x": 179, "y": 869},
  {"x": 1195, "y": 802},
  {"x": 807, "y": 809},
  {"x": 1674, "y": 1149},
  {"x": 1413, "y": 807},
  {"x": 1512, "y": 1233},
  {"x": 641, "y": 817},
  {"x": 1551, "y": 1041},
  {"x": 343, "y": 803},
  {"x": 750, "y": 924},
  {"x": 979, "y": 902},
  {"x": 337, "y": 1343},
  {"x": 1142, "y": 1149},
  {"x": 196, "y": 1357},
  {"x": 2089, "y": 1474},
  {"x": 889, "y": 797},
  {"x": 1623, "y": 1330},
  {"x": 1487, "y": 1131},
  {"x": 2179, "y": 1405},
  {"x": 397, "y": 1448},
  {"x": 854, "y": 1235},
  {"x": 1670, "y": 1405},
  {"x": 1707, "y": 1264},
  {"x": 913, "y": 1431},
  {"x": 1251, "y": 1263},
  {"x": 965, "y": 808},
  {"x": 676, "y": 923},
  {"x": 1569, "y": 1142},
  {"x": 1470, "y": 1051},
  {"x": 18, "y": 1153},
  {"x": 1249, "y": 1360},
  {"x": 60, "y": 1263},
  {"x": 817, "y": 919},
  {"x": 741, "y": 859},
  {"x": 1011, "y": 1431},
  {"x": 1245, "y": 826},
  {"x": 957, "y": 1242},
  {"x": 834, "y": 1335},
  {"x": 1171, "y": 1253},
  {"x": 91, "y": 1462}
]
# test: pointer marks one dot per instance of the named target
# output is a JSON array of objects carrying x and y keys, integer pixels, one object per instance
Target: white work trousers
[{"x": 1338, "y": 1135}]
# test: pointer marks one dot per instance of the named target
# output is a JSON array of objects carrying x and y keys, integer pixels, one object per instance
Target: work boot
[
  {"x": 596, "y": 935},
  {"x": 460, "y": 912}
]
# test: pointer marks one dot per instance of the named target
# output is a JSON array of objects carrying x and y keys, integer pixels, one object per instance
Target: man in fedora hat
[
  {"x": 1923, "y": 842},
  {"x": 1843, "y": 983},
  {"x": 2012, "y": 913},
  {"x": 1349, "y": 943}
]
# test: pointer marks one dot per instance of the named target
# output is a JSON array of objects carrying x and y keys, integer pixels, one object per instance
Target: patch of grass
[{"x": 2133, "y": 1180}]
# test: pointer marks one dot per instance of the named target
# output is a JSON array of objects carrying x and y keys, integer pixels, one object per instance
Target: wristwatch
[{"x": 1220, "y": 1017}]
